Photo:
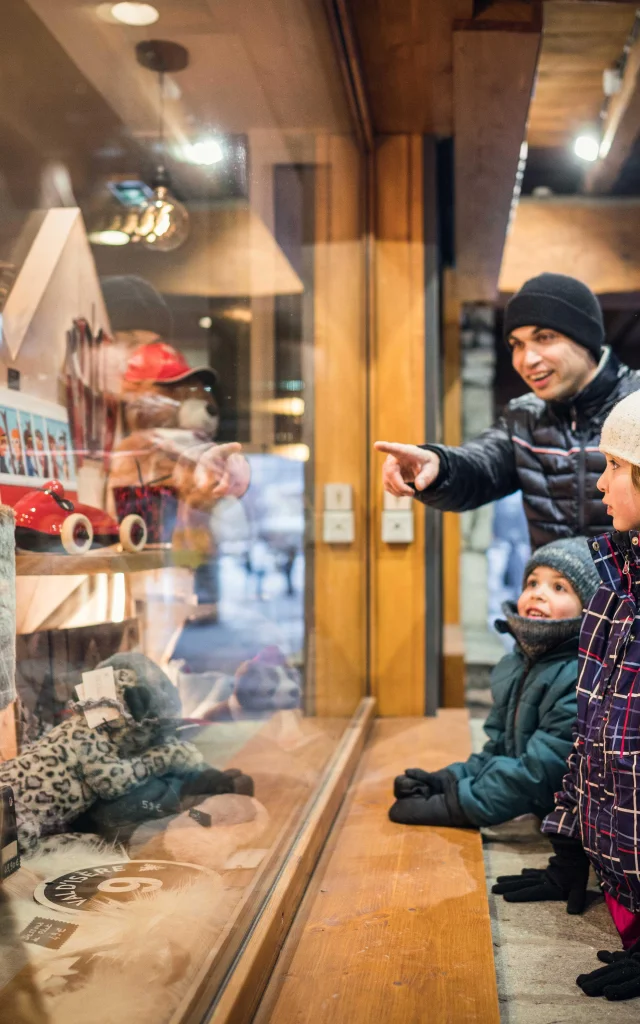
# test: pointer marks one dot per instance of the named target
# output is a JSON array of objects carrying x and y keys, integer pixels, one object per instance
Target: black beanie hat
[
  {"x": 561, "y": 303},
  {"x": 134, "y": 305},
  {"x": 572, "y": 558}
]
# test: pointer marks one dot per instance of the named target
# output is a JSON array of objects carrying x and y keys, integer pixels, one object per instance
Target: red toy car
[{"x": 47, "y": 521}]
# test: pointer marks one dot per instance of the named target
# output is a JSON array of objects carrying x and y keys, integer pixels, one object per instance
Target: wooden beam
[
  {"x": 493, "y": 80},
  {"x": 397, "y": 593},
  {"x": 453, "y": 649},
  {"x": 405, "y": 50},
  {"x": 596, "y": 240},
  {"x": 621, "y": 129},
  {"x": 339, "y": 647}
]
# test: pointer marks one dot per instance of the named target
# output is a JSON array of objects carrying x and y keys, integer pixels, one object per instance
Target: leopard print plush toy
[{"x": 71, "y": 767}]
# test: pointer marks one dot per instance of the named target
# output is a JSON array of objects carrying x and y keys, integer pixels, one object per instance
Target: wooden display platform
[
  {"x": 395, "y": 924},
  {"x": 109, "y": 561}
]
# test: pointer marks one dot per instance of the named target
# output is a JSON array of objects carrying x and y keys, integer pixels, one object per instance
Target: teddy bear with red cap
[{"x": 168, "y": 467}]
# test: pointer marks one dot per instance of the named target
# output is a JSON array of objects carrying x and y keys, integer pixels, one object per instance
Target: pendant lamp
[{"x": 162, "y": 221}]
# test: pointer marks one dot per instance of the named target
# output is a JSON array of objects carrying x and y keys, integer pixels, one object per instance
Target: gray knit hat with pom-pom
[{"x": 571, "y": 557}]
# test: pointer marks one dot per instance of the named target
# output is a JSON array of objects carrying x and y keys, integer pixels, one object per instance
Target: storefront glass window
[{"x": 180, "y": 235}]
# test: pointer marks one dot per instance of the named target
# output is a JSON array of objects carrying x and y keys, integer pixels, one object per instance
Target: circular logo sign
[{"x": 113, "y": 885}]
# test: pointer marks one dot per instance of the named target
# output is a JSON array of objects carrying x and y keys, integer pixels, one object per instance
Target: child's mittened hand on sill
[
  {"x": 565, "y": 878},
  {"x": 619, "y": 980}
]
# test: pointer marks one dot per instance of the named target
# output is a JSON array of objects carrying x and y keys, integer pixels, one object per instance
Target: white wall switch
[
  {"x": 338, "y": 528},
  {"x": 392, "y": 504},
  {"x": 397, "y": 527},
  {"x": 338, "y": 497}
]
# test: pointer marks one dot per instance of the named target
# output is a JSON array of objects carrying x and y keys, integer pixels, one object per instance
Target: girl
[{"x": 598, "y": 807}]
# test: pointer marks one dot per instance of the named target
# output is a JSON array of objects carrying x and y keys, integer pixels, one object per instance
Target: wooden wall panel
[
  {"x": 493, "y": 75},
  {"x": 398, "y": 414},
  {"x": 596, "y": 240},
  {"x": 340, "y": 449}
]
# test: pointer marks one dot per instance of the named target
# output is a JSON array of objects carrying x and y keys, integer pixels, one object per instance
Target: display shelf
[{"x": 110, "y": 562}]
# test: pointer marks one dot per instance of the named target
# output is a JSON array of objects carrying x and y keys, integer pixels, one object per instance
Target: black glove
[
  {"x": 441, "y": 808},
  {"x": 608, "y": 957},
  {"x": 211, "y": 782},
  {"x": 415, "y": 782},
  {"x": 618, "y": 980},
  {"x": 565, "y": 878}
]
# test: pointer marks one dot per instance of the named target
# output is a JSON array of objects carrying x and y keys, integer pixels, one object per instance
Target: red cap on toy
[{"x": 159, "y": 363}]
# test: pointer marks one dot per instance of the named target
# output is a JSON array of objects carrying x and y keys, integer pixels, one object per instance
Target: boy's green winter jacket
[{"x": 529, "y": 728}]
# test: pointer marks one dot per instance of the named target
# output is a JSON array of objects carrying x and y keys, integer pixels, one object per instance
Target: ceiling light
[
  {"x": 206, "y": 152},
  {"x": 109, "y": 238},
  {"x": 135, "y": 13},
  {"x": 205, "y": 322},
  {"x": 587, "y": 147},
  {"x": 163, "y": 223},
  {"x": 240, "y": 313}
]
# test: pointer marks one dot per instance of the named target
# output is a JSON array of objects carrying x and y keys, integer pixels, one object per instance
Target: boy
[{"x": 534, "y": 694}]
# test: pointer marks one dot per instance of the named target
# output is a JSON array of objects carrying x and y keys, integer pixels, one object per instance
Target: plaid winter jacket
[{"x": 600, "y": 799}]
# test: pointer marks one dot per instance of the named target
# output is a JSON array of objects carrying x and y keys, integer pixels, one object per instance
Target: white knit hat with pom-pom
[{"x": 621, "y": 431}]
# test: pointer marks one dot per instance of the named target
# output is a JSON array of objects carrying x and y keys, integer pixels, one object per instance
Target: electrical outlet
[
  {"x": 338, "y": 498},
  {"x": 397, "y": 527},
  {"x": 392, "y": 504},
  {"x": 338, "y": 528}
]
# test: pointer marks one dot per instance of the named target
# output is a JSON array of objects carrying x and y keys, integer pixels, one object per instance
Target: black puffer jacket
[{"x": 549, "y": 450}]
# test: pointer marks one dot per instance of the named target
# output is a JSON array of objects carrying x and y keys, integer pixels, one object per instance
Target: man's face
[
  {"x": 3, "y": 446},
  {"x": 552, "y": 365},
  {"x": 39, "y": 444},
  {"x": 17, "y": 447}
]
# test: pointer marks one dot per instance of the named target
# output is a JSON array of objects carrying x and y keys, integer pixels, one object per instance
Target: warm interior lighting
[
  {"x": 206, "y": 152},
  {"x": 587, "y": 147},
  {"x": 135, "y": 13},
  {"x": 284, "y": 406},
  {"x": 295, "y": 452},
  {"x": 163, "y": 222},
  {"x": 109, "y": 238},
  {"x": 240, "y": 313}
]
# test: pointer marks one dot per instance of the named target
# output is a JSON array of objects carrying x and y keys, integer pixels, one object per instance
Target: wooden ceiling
[
  {"x": 406, "y": 50},
  {"x": 580, "y": 40}
]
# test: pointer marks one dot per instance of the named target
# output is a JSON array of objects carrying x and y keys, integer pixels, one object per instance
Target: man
[
  {"x": 16, "y": 448},
  {"x": 4, "y": 444},
  {"x": 545, "y": 443},
  {"x": 29, "y": 453},
  {"x": 43, "y": 458}
]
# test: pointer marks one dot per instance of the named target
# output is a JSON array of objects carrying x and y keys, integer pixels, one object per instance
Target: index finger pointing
[{"x": 391, "y": 447}]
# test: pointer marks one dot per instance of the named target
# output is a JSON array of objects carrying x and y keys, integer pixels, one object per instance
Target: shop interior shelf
[{"x": 110, "y": 561}]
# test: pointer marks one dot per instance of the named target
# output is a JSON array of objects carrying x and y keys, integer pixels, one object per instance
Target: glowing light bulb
[
  {"x": 206, "y": 152},
  {"x": 163, "y": 222},
  {"x": 587, "y": 147}
]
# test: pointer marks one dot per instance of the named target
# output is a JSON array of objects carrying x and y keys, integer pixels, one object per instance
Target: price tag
[
  {"x": 42, "y": 931},
  {"x": 98, "y": 685}
]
